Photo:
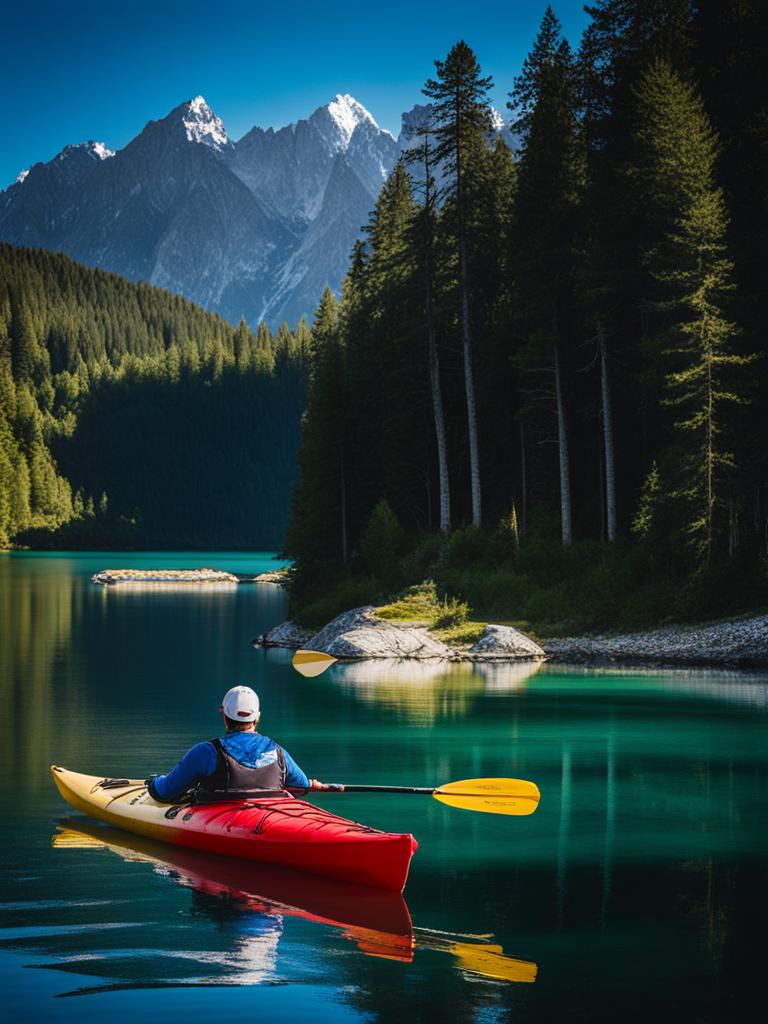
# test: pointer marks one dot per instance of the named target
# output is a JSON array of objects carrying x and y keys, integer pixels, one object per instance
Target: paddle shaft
[{"x": 390, "y": 789}]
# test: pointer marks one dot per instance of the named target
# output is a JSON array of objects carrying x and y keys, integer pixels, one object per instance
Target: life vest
[{"x": 233, "y": 780}]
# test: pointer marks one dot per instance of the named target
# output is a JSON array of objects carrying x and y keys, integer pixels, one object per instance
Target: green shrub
[
  {"x": 416, "y": 604},
  {"x": 452, "y": 612}
]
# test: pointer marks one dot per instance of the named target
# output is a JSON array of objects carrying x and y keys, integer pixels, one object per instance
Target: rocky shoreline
[
  {"x": 739, "y": 643},
  {"x": 359, "y": 634}
]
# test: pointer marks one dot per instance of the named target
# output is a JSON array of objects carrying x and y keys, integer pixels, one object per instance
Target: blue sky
[{"x": 100, "y": 70}]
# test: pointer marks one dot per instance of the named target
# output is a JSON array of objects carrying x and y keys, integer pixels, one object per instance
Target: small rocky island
[
  {"x": 110, "y": 577},
  {"x": 361, "y": 634}
]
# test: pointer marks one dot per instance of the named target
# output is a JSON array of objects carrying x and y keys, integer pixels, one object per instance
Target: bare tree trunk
[
  {"x": 601, "y": 479},
  {"x": 437, "y": 407},
  {"x": 523, "y": 482},
  {"x": 562, "y": 444},
  {"x": 343, "y": 482},
  {"x": 710, "y": 485},
  {"x": 469, "y": 386},
  {"x": 610, "y": 465},
  {"x": 434, "y": 359},
  {"x": 466, "y": 337}
]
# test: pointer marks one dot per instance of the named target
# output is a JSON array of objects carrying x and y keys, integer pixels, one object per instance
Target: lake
[{"x": 638, "y": 889}]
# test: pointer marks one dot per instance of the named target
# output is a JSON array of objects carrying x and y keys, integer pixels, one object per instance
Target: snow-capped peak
[
  {"x": 338, "y": 120},
  {"x": 202, "y": 125},
  {"x": 347, "y": 114},
  {"x": 498, "y": 123}
]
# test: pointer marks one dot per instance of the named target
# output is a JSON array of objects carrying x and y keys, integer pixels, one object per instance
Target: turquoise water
[{"x": 638, "y": 888}]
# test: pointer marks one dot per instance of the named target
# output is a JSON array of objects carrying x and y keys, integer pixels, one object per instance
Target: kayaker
[{"x": 239, "y": 764}]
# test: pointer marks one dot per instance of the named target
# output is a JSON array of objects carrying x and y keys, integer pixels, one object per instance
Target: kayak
[
  {"x": 377, "y": 921},
  {"x": 278, "y": 830}
]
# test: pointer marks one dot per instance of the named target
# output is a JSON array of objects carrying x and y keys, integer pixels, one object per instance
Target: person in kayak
[{"x": 240, "y": 764}]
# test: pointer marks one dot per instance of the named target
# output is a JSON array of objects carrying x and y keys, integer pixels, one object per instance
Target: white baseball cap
[{"x": 241, "y": 704}]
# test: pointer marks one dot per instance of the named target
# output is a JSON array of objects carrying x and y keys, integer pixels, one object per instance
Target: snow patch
[
  {"x": 497, "y": 121},
  {"x": 347, "y": 114},
  {"x": 21, "y": 177},
  {"x": 101, "y": 151},
  {"x": 202, "y": 125}
]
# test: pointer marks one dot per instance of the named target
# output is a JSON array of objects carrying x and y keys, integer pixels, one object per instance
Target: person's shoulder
[
  {"x": 203, "y": 749},
  {"x": 257, "y": 741}
]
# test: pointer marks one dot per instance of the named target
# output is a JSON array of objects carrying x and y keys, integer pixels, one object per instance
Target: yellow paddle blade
[
  {"x": 495, "y": 796},
  {"x": 311, "y": 663}
]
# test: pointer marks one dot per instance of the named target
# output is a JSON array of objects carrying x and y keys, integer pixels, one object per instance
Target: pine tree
[
  {"x": 462, "y": 116},
  {"x": 691, "y": 276},
  {"x": 23, "y": 342},
  {"x": 545, "y": 228}
]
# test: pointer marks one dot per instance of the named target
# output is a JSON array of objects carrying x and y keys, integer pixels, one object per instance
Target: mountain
[{"x": 252, "y": 228}]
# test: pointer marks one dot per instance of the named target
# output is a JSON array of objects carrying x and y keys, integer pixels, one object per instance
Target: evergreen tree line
[
  {"x": 544, "y": 383},
  {"x": 128, "y": 415}
]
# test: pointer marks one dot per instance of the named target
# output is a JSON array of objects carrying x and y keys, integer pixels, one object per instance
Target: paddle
[
  {"x": 494, "y": 796},
  {"x": 311, "y": 663}
]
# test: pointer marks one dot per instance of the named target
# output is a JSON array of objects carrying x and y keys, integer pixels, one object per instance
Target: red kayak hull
[{"x": 276, "y": 830}]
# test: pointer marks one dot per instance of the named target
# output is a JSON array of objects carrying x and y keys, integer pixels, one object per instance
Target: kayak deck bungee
[{"x": 278, "y": 830}]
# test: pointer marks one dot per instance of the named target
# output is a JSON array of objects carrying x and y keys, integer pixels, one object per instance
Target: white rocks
[
  {"x": 274, "y": 576},
  {"x": 360, "y": 634},
  {"x": 287, "y": 634},
  {"x": 741, "y": 642},
  {"x": 506, "y": 642},
  {"x": 111, "y": 576}
]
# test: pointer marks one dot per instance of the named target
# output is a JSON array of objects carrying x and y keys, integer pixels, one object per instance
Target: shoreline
[
  {"x": 358, "y": 635},
  {"x": 737, "y": 643}
]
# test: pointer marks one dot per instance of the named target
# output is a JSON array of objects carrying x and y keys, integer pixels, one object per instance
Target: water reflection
[
  {"x": 248, "y": 903},
  {"x": 732, "y": 686},
  {"x": 424, "y": 691}
]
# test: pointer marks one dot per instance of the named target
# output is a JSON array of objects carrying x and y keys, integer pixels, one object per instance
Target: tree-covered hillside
[
  {"x": 545, "y": 382},
  {"x": 131, "y": 416}
]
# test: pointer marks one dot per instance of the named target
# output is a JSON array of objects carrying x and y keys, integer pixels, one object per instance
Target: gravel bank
[{"x": 743, "y": 642}]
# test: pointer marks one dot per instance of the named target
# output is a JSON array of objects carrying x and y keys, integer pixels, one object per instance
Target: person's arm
[
  {"x": 198, "y": 763},
  {"x": 295, "y": 778}
]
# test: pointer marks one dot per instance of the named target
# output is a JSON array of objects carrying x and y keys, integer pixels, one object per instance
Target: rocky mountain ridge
[{"x": 252, "y": 228}]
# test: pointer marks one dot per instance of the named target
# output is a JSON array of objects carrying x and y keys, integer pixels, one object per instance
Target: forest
[
  {"x": 131, "y": 417},
  {"x": 544, "y": 384}
]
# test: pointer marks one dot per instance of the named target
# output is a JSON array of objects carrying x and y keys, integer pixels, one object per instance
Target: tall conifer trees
[
  {"x": 462, "y": 118},
  {"x": 686, "y": 256},
  {"x": 545, "y": 226},
  {"x": 578, "y": 304},
  {"x": 109, "y": 386}
]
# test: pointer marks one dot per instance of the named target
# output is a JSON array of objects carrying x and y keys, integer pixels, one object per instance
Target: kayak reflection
[
  {"x": 258, "y": 896},
  {"x": 377, "y": 921}
]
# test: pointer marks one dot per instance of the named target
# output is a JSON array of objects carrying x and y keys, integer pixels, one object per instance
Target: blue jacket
[{"x": 249, "y": 748}]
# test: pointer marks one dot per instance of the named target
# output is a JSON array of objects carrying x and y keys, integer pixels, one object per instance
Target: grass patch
[
  {"x": 416, "y": 604},
  {"x": 463, "y": 635},
  {"x": 446, "y": 617}
]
